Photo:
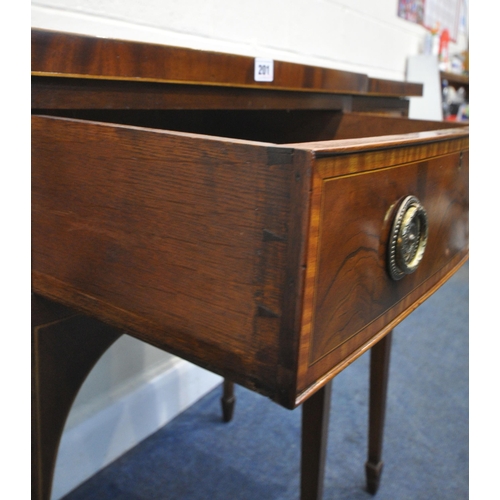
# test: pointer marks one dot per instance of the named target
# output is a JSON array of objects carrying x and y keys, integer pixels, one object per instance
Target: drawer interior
[{"x": 271, "y": 126}]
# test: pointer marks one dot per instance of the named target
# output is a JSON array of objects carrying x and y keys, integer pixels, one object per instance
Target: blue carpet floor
[{"x": 257, "y": 455}]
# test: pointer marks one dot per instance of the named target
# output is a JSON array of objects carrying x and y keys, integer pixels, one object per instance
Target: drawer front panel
[{"x": 352, "y": 286}]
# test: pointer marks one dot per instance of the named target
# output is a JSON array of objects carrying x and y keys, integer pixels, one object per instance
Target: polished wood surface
[
  {"x": 227, "y": 400},
  {"x": 315, "y": 423},
  {"x": 59, "y": 367},
  {"x": 348, "y": 251},
  {"x": 242, "y": 226},
  {"x": 379, "y": 377},
  {"x": 125, "y": 60},
  {"x": 62, "y": 93},
  {"x": 65, "y": 54},
  {"x": 204, "y": 235},
  {"x": 225, "y": 246},
  {"x": 79, "y": 93}
]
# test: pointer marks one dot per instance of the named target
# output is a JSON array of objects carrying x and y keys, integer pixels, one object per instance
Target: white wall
[{"x": 354, "y": 35}]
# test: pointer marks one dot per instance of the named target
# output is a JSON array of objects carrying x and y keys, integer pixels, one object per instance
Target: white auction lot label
[{"x": 263, "y": 70}]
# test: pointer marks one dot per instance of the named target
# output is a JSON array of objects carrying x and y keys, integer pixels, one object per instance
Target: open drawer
[{"x": 260, "y": 245}]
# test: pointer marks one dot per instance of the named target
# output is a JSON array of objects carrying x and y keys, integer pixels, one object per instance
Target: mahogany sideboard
[{"x": 268, "y": 231}]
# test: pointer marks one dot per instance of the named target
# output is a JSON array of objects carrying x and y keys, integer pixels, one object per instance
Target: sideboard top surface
[{"x": 61, "y": 54}]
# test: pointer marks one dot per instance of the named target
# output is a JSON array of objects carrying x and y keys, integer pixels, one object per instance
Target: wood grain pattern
[
  {"x": 165, "y": 234},
  {"x": 359, "y": 125},
  {"x": 379, "y": 105},
  {"x": 64, "y": 54},
  {"x": 350, "y": 294},
  {"x": 206, "y": 246},
  {"x": 357, "y": 132},
  {"x": 383, "y": 87},
  {"x": 81, "y": 93},
  {"x": 269, "y": 126},
  {"x": 240, "y": 225},
  {"x": 352, "y": 286}
]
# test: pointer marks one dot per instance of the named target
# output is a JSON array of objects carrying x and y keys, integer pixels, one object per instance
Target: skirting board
[{"x": 93, "y": 444}]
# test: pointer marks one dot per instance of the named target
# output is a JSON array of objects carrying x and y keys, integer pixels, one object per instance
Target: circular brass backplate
[{"x": 408, "y": 238}]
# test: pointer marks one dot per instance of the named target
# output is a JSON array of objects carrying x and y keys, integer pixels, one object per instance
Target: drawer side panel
[{"x": 179, "y": 239}]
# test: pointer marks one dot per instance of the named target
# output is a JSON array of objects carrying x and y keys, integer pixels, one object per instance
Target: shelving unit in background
[
  {"x": 457, "y": 82},
  {"x": 425, "y": 69}
]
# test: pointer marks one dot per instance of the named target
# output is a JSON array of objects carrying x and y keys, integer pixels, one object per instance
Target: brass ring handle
[{"x": 408, "y": 238}]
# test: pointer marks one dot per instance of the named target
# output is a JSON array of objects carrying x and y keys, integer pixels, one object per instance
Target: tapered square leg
[
  {"x": 315, "y": 418},
  {"x": 379, "y": 377}
]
